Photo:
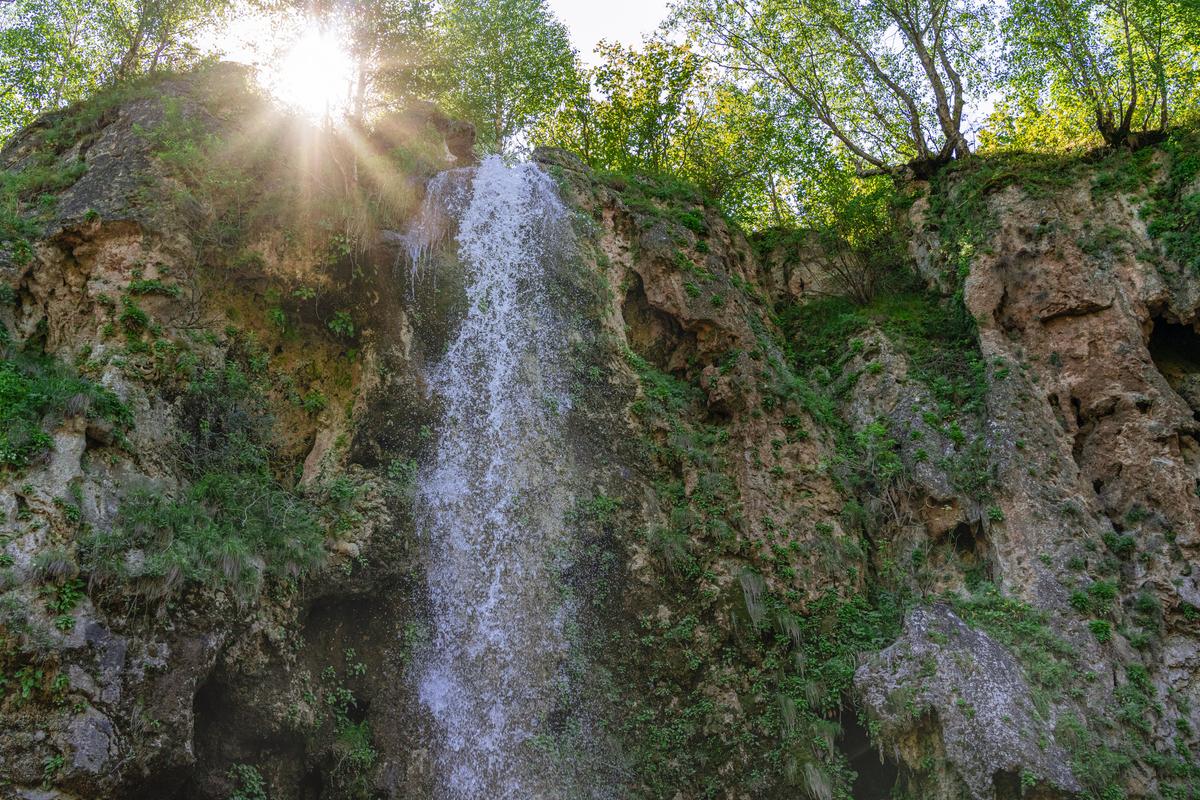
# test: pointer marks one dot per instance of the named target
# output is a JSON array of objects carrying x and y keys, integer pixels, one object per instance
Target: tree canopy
[
  {"x": 502, "y": 64},
  {"x": 54, "y": 52},
  {"x": 1128, "y": 64},
  {"x": 760, "y": 103},
  {"x": 890, "y": 79}
]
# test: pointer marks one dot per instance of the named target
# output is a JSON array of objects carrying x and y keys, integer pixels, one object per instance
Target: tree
[
  {"x": 49, "y": 56},
  {"x": 1126, "y": 62},
  {"x": 661, "y": 109},
  {"x": 503, "y": 64},
  {"x": 743, "y": 148},
  {"x": 154, "y": 33},
  {"x": 890, "y": 79},
  {"x": 54, "y": 52},
  {"x": 628, "y": 111},
  {"x": 1038, "y": 122}
]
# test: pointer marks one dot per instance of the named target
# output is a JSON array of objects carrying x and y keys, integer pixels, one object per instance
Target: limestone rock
[{"x": 945, "y": 681}]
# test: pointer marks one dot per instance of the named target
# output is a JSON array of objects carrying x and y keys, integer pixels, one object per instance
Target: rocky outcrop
[
  {"x": 947, "y": 681},
  {"x": 152, "y": 681},
  {"x": 1081, "y": 320}
]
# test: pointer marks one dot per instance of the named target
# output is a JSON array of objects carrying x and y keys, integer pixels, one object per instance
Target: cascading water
[{"x": 490, "y": 506}]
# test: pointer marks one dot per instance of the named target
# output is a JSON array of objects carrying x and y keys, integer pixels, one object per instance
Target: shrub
[
  {"x": 35, "y": 393},
  {"x": 342, "y": 324},
  {"x": 153, "y": 286},
  {"x": 403, "y": 477},
  {"x": 27, "y": 197},
  {"x": 248, "y": 783},
  {"x": 133, "y": 318},
  {"x": 1101, "y": 629},
  {"x": 233, "y": 526}
]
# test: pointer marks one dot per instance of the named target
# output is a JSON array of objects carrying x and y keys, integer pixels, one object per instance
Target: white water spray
[{"x": 490, "y": 508}]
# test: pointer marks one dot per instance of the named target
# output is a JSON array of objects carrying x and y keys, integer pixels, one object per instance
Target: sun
[{"x": 315, "y": 74}]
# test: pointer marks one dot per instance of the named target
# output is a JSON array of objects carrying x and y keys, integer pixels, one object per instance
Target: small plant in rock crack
[
  {"x": 64, "y": 597},
  {"x": 235, "y": 523},
  {"x": 248, "y": 783},
  {"x": 314, "y": 402},
  {"x": 352, "y": 746},
  {"x": 1101, "y": 629},
  {"x": 51, "y": 766},
  {"x": 403, "y": 476},
  {"x": 357, "y": 668},
  {"x": 28, "y": 679},
  {"x": 342, "y": 324}
]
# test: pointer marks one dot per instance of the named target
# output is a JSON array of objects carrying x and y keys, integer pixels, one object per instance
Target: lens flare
[{"x": 315, "y": 74}]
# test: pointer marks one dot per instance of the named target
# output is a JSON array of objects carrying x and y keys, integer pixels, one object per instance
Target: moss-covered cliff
[{"x": 939, "y": 545}]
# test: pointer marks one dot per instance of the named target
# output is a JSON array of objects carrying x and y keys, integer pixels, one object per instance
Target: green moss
[
  {"x": 792, "y": 669},
  {"x": 939, "y": 341},
  {"x": 1104, "y": 748},
  {"x": 663, "y": 394},
  {"x": 1027, "y": 634},
  {"x": 154, "y": 286},
  {"x": 28, "y": 198}
]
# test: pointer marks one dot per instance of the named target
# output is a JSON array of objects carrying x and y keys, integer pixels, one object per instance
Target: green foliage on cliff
[
  {"x": 506, "y": 63},
  {"x": 934, "y": 333},
  {"x": 27, "y": 197},
  {"x": 57, "y": 52},
  {"x": 232, "y": 526},
  {"x": 790, "y": 659},
  {"x": 30, "y": 191},
  {"x": 36, "y": 392},
  {"x": 1174, "y": 208},
  {"x": 1107, "y": 740},
  {"x": 248, "y": 783}
]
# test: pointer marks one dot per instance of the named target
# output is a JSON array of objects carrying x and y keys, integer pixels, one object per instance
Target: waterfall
[{"x": 490, "y": 505}]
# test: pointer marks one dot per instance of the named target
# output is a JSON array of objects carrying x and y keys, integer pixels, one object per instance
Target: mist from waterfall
[{"x": 490, "y": 505}]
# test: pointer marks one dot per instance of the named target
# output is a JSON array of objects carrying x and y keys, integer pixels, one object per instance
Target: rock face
[
  {"x": 941, "y": 545},
  {"x": 966, "y": 687}
]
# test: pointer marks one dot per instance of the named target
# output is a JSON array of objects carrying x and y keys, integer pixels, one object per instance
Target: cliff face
[{"x": 942, "y": 542}]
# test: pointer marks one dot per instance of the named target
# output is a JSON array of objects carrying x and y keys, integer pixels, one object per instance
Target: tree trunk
[{"x": 774, "y": 198}]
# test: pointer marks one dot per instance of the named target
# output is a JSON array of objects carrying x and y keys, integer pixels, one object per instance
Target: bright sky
[{"x": 624, "y": 21}]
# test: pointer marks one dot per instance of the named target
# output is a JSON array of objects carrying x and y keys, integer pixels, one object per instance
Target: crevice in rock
[
  {"x": 1175, "y": 350},
  {"x": 652, "y": 334},
  {"x": 1010, "y": 323},
  {"x": 229, "y": 731},
  {"x": 971, "y": 552},
  {"x": 1056, "y": 408},
  {"x": 1007, "y": 785},
  {"x": 1084, "y": 425},
  {"x": 875, "y": 773}
]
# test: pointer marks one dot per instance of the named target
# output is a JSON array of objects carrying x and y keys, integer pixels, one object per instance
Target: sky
[{"x": 625, "y": 21}]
